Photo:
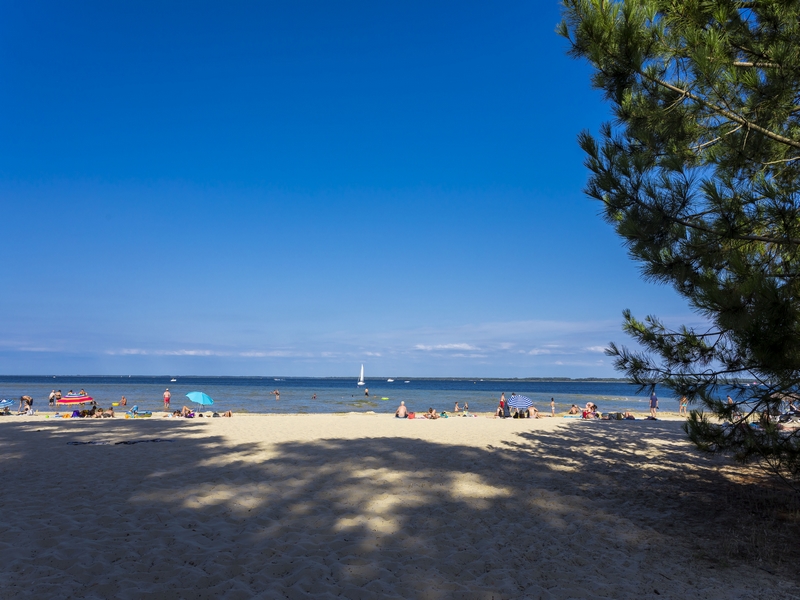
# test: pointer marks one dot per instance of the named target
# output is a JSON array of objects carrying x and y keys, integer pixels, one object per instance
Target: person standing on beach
[
  {"x": 553, "y": 406},
  {"x": 167, "y": 396},
  {"x": 51, "y": 399},
  {"x": 653, "y": 404},
  {"x": 683, "y": 406}
]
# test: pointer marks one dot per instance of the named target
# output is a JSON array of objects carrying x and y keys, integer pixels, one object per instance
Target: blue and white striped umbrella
[
  {"x": 520, "y": 402},
  {"x": 6, "y": 403}
]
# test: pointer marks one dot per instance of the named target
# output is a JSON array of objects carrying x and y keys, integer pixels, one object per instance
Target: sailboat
[{"x": 361, "y": 379}]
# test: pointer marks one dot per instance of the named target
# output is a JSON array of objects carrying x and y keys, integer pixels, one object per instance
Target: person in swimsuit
[
  {"x": 654, "y": 404},
  {"x": 167, "y": 396},
  {"x": 402, "y": 411},
  {"x": 123, "y": 401},
  {"x": 499, "y": 411},
  {"x": 552, "y": 407},
  {"x": 683, "y": 406},
  {"x": 456, "y": 408}
]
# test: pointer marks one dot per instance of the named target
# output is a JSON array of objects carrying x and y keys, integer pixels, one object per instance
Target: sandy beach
[{"x": 368, "y": 506}]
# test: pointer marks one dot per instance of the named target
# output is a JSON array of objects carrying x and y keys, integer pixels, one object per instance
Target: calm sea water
[{"x": 252, "y": 394}]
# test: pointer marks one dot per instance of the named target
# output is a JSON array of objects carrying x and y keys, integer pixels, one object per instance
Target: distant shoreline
[{"x": 296, "y": 377}]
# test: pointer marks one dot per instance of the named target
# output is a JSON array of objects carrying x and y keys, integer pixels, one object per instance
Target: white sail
[{"x": 361, "y": 379}]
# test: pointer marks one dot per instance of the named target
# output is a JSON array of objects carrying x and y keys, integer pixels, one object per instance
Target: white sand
[{"x": 363, "y": 506}]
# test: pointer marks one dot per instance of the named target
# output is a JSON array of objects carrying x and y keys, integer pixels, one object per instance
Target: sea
[{"x": 334, "y": 395}]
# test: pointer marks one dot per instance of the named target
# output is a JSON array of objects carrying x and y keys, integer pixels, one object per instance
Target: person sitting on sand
[
  {"x": 402, "y": 411},
  {"x": 628, "y": 416},
  {"x": 98, "y": 414},
  {"x": 186, "y": 412},
  {"x": 227, "y": 413},
  {"x": 574, "y": 410},
  {"x": 499, "y": 411},
  {"x": 109, "y": 414},
  {"x": 456, "y": 408},
  {"x": 431, "y": 414}
]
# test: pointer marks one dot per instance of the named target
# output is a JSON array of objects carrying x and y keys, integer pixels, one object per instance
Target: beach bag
[{"x": 411, "y": 415}]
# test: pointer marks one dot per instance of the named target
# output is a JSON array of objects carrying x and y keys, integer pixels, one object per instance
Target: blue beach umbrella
[
  {"x": 200, "y": 398},
  {"x": 520, "y": 402},
  {"x": 6, "y": 403}
]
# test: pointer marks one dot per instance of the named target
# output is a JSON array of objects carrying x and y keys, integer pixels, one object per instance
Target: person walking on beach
[
  {"x": 167, "y": 396},
  {"x": 683, "y": 405},
  {"x": 553, "y": 406},
  {"x": 51, "y": 399},
  {"x": 653, "y": 404}
]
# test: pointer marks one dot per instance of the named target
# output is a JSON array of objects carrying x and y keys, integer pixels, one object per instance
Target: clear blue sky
[{"x": 296, "y": 188}]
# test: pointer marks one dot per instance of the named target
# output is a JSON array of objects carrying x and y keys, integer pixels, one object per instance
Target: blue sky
[{"x": 296, "y": 188}]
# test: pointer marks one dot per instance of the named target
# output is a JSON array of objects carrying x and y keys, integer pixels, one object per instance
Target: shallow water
[{"x": 252, "y": 394}]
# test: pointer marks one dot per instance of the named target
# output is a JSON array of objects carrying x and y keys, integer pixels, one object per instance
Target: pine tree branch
[
  {"x": 757, "y": 65},
  {"x": 783, "y": 160},
  {"x": 715, "y": 140},
  {"x": 726, "y": 113}
]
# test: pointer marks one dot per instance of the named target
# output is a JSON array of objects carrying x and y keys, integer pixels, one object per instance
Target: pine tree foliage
[{"x": 700, "y": 175}]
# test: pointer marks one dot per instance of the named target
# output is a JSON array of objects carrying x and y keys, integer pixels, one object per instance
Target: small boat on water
[
  {"x": 361, "y": 379},
  {"x": 173, "y": 379},
  {"x": 390, "y": 380}
]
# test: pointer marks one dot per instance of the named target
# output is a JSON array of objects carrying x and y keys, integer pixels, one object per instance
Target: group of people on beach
[{"x": 506, "y": 409}]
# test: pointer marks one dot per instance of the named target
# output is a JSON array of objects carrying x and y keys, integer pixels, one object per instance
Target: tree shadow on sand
[{"x": 571, "y": 513}]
